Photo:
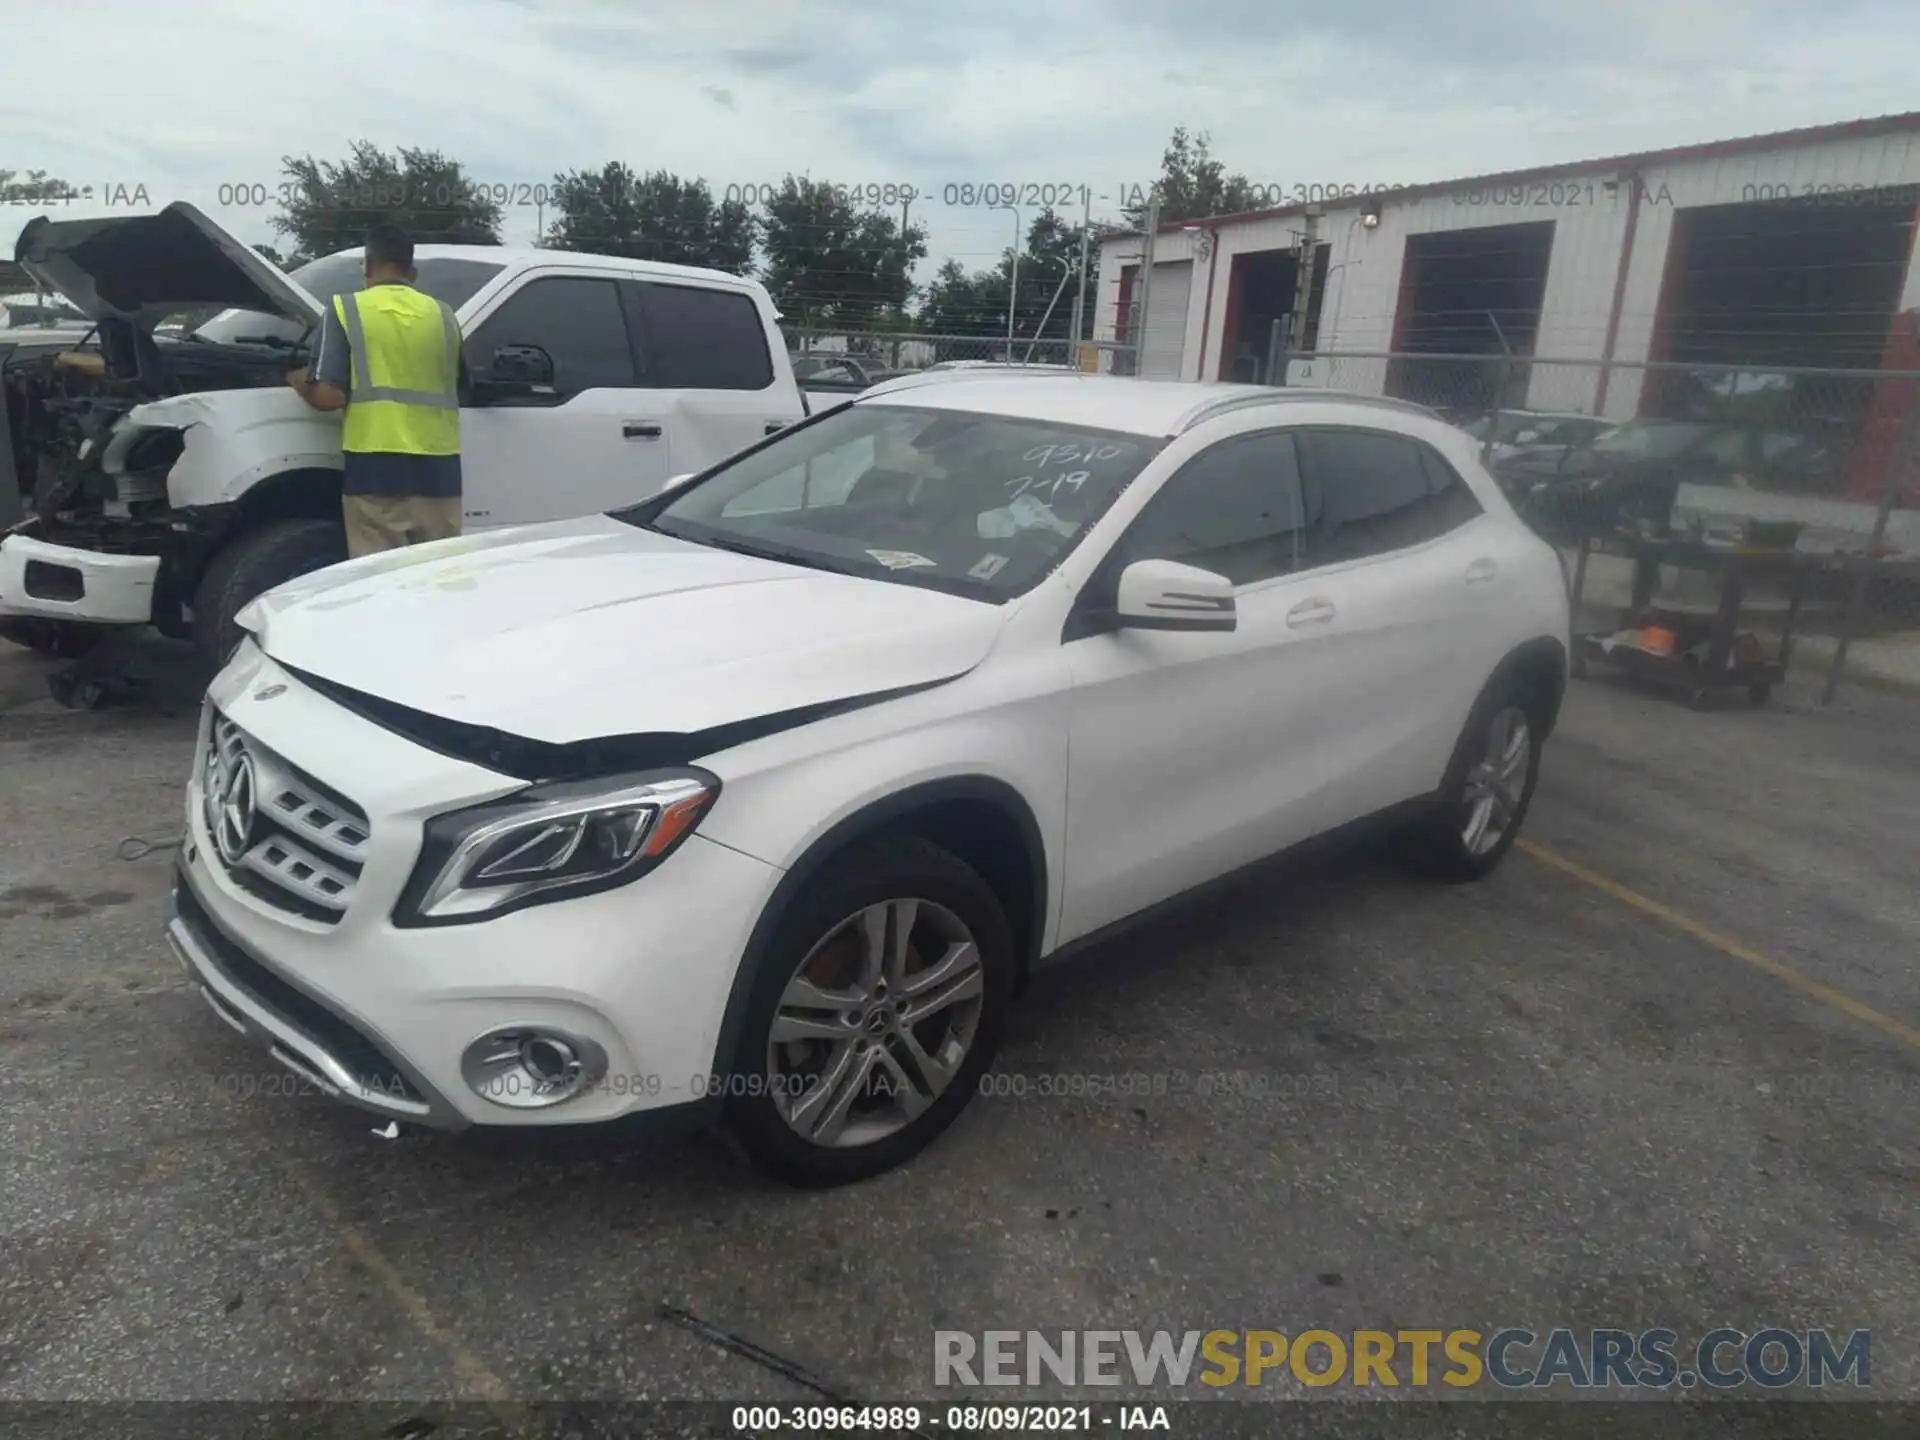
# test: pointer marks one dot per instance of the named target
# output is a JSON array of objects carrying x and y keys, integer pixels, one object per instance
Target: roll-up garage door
[{"x": 1164, "y": 343}]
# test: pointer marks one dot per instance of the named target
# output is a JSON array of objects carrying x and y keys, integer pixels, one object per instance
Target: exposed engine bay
[{"x": 63, "y": 402}]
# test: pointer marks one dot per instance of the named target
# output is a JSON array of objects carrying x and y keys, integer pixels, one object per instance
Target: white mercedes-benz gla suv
[{"x": 760, "y": 799}]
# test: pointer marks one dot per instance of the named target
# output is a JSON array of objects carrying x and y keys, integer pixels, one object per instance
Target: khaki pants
[{"x": 388, "y": 522}]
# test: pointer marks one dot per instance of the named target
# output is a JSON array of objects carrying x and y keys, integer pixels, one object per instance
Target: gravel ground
[{"x": 1575, "y": 1095}]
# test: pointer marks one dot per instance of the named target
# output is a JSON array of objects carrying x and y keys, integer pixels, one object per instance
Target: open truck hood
[{"x": 141, "y": 268}]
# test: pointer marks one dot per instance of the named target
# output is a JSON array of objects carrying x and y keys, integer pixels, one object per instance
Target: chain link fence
[{"x": 1665, "y": 483}]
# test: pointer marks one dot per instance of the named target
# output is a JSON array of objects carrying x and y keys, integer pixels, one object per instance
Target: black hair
[{"x": 389, "y": 245}]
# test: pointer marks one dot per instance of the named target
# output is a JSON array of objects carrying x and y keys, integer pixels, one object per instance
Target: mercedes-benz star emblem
[{"x": 233, "y": 824}]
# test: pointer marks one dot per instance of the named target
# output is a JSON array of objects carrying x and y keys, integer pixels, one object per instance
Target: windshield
[
  {"x": 1648, "y": 442},
  {"x": 452, "y": 280},
  {"x": 981, "y": 505}
]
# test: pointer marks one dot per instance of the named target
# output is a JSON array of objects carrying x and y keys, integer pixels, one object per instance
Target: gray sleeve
[{"x": 332, "y": 362}]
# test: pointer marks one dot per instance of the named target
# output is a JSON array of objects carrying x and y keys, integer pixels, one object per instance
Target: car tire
[
  {"x": 61, "y": 639},
  {"x": 252, "y": 565},
  {"x": 1488, "y": 789},
  {"x": 863, "y": 1052}
]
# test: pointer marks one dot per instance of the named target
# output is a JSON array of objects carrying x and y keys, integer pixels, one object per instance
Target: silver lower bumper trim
[{"x": 289, "y": 1046}]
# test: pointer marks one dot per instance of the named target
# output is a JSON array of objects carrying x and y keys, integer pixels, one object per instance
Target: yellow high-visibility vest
[{"x": 404, "y": 394}]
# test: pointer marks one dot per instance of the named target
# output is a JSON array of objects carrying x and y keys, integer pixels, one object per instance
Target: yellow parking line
[
  {"x": 1727, "y": 945},
  {"x": 469, "y": 1366}
]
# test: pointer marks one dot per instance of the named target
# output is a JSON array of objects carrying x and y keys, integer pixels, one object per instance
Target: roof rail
[
  {"x": 1226, "y": 404},
  {"x": 947, "y": 377}
]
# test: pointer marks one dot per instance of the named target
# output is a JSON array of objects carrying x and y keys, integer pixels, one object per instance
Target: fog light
[{"x": 528, "y": 1067}]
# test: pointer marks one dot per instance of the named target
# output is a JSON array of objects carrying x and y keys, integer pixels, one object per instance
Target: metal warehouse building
[{"x": 1792, "y": 249}]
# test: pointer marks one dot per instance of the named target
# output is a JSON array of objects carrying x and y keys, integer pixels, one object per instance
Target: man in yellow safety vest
[{"x": 390, "y": 357}]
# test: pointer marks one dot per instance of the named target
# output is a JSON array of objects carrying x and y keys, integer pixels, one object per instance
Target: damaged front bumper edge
[{"x": 58, "y": 582}]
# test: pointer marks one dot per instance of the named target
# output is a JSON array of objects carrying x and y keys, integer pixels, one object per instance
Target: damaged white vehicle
[{"x": 168, "y": 480}]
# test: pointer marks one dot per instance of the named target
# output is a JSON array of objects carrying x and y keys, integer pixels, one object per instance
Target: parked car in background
[
  {"x": 897, "y": 704},
  {"x": 1632, "y": 473},
  {"x": 842, "y": 369},
  {"x": 1531, "y": 434},
  {"x": 172, "y": 479}
]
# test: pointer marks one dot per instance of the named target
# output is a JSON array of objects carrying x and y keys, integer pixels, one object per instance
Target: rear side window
[
  {"x": 704, "y": 339},
  {"x": 1375, "y": 492},
  {"x": 576, "y": 320},
  {"x": 1235, "y": 509}
]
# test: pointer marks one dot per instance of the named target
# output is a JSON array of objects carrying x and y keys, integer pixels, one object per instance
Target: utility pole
[
  {"x": 1013, "y": 281},
  {"x": 1146, "y": 280},
  {"x": 1080, "y": 293}
]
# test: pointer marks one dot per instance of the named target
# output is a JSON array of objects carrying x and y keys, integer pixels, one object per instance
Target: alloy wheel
[
  {"x": 1497, "y": 781},
  {"x": 875, "y": 1023}
]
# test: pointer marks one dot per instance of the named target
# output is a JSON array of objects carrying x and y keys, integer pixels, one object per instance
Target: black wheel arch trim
[
  {"x": 875, "y": 819},
  {"x": 1543, "y": 653}
]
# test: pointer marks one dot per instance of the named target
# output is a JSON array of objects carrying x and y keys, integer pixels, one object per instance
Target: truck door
[
  {"x": 706, "y": 350},
  {"x": 595, "y": 439}
]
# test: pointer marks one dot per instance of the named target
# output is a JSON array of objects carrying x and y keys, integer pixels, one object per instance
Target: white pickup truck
[{"x": 168, "y": 480}]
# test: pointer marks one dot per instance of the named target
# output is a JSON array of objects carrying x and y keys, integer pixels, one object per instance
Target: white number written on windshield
[{"x": 1070, "y": 480}]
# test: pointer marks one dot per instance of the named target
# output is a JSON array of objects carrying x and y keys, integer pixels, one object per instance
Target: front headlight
[{"x": 551, "y": 842}]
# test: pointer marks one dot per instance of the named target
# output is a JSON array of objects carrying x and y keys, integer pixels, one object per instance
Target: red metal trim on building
[
  {"x": 1206, "y": 314},
  {"x": 1230, "y": 331},
  {"x": 1646, "y": 159}
]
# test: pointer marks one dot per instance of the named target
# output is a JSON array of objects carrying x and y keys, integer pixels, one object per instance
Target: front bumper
[
  {"x": 58, "y": 582},
  {"x": 381, "y": 1017}
]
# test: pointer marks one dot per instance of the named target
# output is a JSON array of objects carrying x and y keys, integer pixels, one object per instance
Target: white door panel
[
  {"x": 1193, "y": 754},
  {"x": 1413, "y": 567},
  {"x": 1190, "y": 755},
  {"x": 1407, "y": 674},
  {"x": 523, "y": 463}
]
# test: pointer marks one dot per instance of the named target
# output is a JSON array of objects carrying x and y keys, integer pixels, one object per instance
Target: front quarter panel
[
  {"x": 237, "y": 438},
  {"x": 1004, "y": 721}
]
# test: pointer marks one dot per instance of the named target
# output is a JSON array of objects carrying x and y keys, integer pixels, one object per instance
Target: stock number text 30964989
[{"x": 390, "y": 194}]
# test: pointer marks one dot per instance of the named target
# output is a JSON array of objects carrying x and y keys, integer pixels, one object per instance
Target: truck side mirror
[{"x": 527, "y": 365}]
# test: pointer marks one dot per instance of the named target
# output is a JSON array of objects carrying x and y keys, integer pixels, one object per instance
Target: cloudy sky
[{"x": 183, "y": 96}]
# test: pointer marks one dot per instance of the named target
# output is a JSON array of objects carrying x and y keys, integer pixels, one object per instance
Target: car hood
[
  {"x": 143, "y": 268},
  {"x": 584, "y": 629}
]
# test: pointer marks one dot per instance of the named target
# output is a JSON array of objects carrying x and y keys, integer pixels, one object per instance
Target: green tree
[
  {"x": 828, "y": 262},
  {"x": 958, "y": 303},
  {"x": 656, "y": 216},
  {"x": 1193, "y": 185},
  {"x": 422, "y": 191},
  {"x": 272, "y": 254},
  {"x": 36, "y": 187}
]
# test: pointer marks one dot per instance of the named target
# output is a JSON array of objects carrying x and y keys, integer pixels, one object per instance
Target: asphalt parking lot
[{"x": 1662, "y": 1070}]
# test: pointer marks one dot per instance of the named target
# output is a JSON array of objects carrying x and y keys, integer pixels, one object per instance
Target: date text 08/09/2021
[
  {"x": 1030, "y": 194},
  {"x": 957, "y": 1419}
]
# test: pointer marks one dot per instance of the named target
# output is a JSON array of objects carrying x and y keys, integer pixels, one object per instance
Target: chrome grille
[{"x": 282, "y": 835}]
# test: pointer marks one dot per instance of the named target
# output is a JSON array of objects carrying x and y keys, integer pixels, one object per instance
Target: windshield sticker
[
  {"x": 989, "y": 566},
  {"x": 1027, "y": 512},
  {"x": 900, "y": 559}
]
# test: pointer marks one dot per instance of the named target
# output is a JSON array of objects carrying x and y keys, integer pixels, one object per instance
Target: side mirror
[
  {"x": 522, "y": 364},
  {"x": 513, "y": 372},
  {"x": 1166, "y": 595}
]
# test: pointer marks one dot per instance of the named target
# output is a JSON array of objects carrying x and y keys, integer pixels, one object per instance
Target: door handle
[
  {"x": 639, "y": 430},
  {"x": 1481, "y": 571},
  {"x": 1310, "y": 612}
]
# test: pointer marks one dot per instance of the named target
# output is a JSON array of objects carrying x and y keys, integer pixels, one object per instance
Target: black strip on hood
[{"x": 540, "y": 761}]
